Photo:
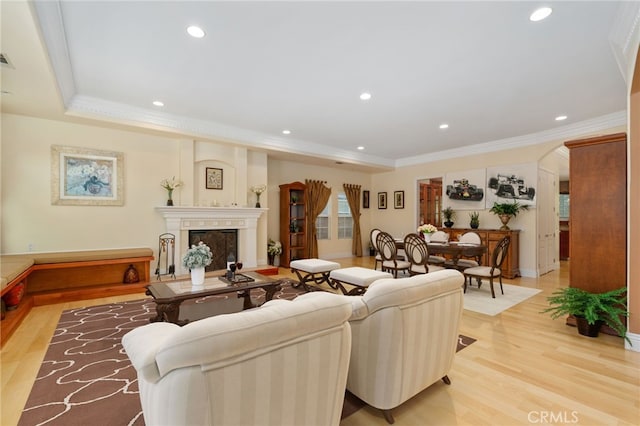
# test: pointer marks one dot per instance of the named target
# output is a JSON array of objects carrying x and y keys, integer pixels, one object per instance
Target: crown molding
[
  {"x": 570, "y": 131},
  {"x": 100, "y": 109},
  {"x": 625, "y": 36},
  {"x": 48, "y": 14}
]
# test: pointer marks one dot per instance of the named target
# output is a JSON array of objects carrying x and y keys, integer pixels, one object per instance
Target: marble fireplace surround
[{"x": 180, "y": 220}]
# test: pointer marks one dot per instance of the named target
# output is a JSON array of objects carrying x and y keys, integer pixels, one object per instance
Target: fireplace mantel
[{"x": 179, "y": 220}]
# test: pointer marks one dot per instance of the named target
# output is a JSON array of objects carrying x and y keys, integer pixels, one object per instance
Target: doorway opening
[{"x": 430, "y": 206}]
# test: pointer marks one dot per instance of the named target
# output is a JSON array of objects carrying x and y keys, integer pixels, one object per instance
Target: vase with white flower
[
  {"x": 196, "y": 259},
  {"x": 274, "y": 248},
  {"x": 170, "y": 185},
  {"x": 258, "y": 189},
  {"x": 426, "y": 231}
]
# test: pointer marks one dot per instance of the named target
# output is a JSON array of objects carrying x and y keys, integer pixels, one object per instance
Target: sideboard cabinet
[{"x": 491, "y": 238}]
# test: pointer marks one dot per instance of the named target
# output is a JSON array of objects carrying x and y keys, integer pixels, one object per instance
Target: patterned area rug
[{"x": 86, "y": 377}]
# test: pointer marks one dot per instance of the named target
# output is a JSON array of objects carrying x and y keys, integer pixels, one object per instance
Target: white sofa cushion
[{"x": 283, "y": 363}]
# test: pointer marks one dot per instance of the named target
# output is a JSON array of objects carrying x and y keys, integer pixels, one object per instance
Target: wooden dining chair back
[
  {"x": 373, "y": 236},
  {"x": 491, "y": 272},
  {"x": 467, "y": 238},
  {"x": 389, "y": 253},
  {"x": 417, "y": 253},
  {"x": 439, "y": 237}
]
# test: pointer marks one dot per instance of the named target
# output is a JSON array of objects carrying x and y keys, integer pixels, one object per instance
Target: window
[
  {"x": 345, "y": 220},
  {"x": 322, "y": 223},
  {"x": 564, "y": 206}
]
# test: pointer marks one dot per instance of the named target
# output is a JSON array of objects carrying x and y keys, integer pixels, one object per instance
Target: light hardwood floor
[{"x": 525, "y": 368}]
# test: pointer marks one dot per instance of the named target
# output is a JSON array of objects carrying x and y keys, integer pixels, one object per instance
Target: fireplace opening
[{"x": 222, "y": 243}]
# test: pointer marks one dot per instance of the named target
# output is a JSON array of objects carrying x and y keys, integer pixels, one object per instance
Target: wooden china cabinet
[
  {"x": 293, "y": 223},
  {"x": 598, "y": 215}
]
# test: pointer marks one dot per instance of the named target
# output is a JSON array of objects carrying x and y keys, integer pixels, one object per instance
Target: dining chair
[
  {"x": 417, "y": 253},
  {"x": 438, "y": 237},
  {"x": 491, "y": 272},
  {"x": 373, "y": 235},
  {"x": 463, "y": 263},
  {"x": 389, "y": 253}
]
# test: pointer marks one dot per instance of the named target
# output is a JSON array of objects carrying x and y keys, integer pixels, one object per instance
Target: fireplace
[
  {"x": 222, "y": 243},
  {"x": 244, "y": 220}
]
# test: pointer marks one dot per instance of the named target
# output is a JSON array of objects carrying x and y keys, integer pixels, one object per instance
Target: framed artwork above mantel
[{"x": 213, "y": 178}]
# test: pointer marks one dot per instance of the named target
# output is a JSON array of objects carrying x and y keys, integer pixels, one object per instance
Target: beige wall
[
  {"x": 634, "y": 202},
  {"x": 281, "y": 172},
  {"x": 29, "y": 218}
]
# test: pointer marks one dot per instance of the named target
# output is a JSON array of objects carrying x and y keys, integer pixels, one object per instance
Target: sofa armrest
[
  {"x": 359, "y": 309},
  {"x": 141, "y": 345}
]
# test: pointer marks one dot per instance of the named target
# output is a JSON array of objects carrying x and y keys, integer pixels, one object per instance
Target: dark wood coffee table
[{"x": 168, "y": 296}]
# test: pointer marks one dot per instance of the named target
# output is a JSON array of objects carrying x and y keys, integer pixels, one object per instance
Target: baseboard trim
[{"x": 635, "y": 342}]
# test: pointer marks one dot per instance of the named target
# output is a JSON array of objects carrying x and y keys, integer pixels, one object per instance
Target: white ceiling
[{"x": 482, "y": 67}]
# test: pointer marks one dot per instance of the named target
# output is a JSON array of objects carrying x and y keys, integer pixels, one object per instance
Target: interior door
[{"x": 548, "y": 247}]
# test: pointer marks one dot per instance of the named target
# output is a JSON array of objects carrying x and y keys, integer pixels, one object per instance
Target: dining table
[
  {"x": 458, "y": 250},
  {"x": 454, "y": 249}
]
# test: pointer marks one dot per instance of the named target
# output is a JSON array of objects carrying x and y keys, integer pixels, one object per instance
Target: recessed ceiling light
[
  {"x": 540, "y": 14},
  {"x": 286, "y": 132},
  {"x": 158, "y": 103},
  {"x": 444, "y": 126},
  {"x": 195, "y": 31},
  {"x": 561, "y": 117},
  {"x": 365, "y": 96},
  {"x": 361, "y": 148}
]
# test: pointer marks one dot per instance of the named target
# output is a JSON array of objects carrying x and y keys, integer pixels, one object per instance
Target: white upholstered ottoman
[
  {"x": 313, "y": 271},
  {"x": 360, "y": 278}
]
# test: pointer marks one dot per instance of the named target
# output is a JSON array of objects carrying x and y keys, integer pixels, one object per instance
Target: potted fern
[
  {"x": 505, "y": 211},
  {"x": 591, "y": 310}
]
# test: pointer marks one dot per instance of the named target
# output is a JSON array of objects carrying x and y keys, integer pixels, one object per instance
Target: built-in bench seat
[{"x": 66, "y": 276}]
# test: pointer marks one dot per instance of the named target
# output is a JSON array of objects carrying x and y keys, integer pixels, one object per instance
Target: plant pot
[
  {"x": 448, "y": 224},
  {"x": 474, "y": 225},
  {"x": 586, "y": 329},
  {"x": 271, "y": 259},
  {"x": 504, "y": 218},
  {"x": 372, "y": 252},
  {"x": 197, "y": 276}
]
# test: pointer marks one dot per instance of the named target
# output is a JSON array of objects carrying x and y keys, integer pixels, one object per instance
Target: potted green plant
[
  {"x": 449, "y": 215},
  {"x": 475, "y": 220},
  {"x": 591, "y": 310},
  {"x": 274, "y": 248},
  {"x": 505, "y": 211}
]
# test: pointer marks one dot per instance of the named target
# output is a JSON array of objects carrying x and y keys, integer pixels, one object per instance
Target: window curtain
[
  {"x": 353, "y": 198},
  {"x": 317, "y": 195}
]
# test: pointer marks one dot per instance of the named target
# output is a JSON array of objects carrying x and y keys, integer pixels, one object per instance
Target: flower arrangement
[
  {"x": 274, "y": 248},
  {"x": 258, "y": 189},
  {"x": 198, "y": 256},
  {"x": 170, "y": 185},
  {"x": 427, "y": 228}
]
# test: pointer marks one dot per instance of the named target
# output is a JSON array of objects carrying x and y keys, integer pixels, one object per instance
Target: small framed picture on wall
[
  {"x": 365, "y": 199},
  {"x": 382, "y": 200},
  {"x": 214, "y": 178},
  {"x": 398, "y": 200}
]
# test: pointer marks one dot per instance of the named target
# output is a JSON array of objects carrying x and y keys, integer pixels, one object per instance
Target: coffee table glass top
[{"x": 212, "y": 284}]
